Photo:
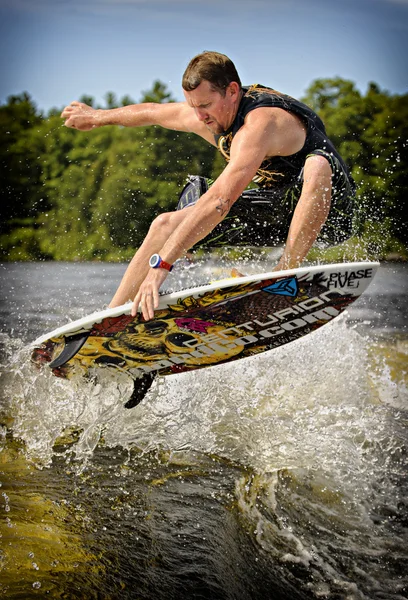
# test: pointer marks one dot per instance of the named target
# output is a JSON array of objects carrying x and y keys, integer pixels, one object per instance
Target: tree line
[{"x": 69, "y": 195}]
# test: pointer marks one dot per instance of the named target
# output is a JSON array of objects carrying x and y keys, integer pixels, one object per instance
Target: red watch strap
[{"x": 165, "y": 265}]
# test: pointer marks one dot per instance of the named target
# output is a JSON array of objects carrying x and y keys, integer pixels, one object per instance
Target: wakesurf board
[{"x": 208, "y": 325}]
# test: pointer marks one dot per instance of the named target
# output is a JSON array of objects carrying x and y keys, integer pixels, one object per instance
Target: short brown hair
[{"x": 214, "y": 67}]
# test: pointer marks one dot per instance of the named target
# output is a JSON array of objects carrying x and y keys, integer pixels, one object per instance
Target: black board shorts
[{"x": 261, "y": 216}]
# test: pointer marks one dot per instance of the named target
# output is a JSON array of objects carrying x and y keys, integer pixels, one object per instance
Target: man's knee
[
  {"x": 161, "y": 222},
  {"x": 166, "y": 222}
]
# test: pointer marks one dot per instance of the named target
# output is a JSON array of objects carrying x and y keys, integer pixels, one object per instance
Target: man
[{"x": 305, "y": 189}]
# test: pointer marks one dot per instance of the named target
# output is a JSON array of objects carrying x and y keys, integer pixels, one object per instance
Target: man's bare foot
[{"x": 236, "y": 273}]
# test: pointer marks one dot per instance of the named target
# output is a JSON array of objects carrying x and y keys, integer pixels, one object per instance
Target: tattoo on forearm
[{"x": 223, "y": 206}]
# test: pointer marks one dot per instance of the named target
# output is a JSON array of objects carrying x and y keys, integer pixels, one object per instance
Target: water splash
[
  {"x": 316, "y": 402},
  {"x": 317, "y": 430}
]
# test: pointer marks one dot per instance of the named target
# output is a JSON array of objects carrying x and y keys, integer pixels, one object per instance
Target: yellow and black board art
[{"x": 208, "y": 325}]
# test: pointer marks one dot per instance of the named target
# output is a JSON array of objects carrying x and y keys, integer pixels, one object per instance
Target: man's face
[{"x": 216, "y": 111}]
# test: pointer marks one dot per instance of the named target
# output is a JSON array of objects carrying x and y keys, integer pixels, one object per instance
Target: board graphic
[{"x": 205, "y": 326}]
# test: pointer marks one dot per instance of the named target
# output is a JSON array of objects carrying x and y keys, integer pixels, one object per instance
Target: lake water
[{"x": 283, "y": 476}]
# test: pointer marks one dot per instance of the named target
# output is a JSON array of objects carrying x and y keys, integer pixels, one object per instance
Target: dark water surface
[{"x": 283, "y": 476}]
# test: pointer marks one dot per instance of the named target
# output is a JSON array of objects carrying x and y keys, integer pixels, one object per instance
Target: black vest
[{"x": 279, "y": 170}]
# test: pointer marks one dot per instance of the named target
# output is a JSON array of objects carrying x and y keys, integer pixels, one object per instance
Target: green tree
[
  {"x": 104, "y": 187},
  {"x": 20, "y": 147},
  {"x": 72, "y": 195},
  {"x": 126, "y": 100},
  {"x": 73, "y": 171},
  {"x": 387, "y": 137},
  {"x": 90, "y": 100},
  {"x": 111, "y": 100},
  {"x": 158, "y": 93},
  {"x": 370, "y": 132}
]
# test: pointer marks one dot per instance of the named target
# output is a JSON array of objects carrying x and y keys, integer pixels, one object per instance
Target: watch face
[{"x": 154, "y": 260}]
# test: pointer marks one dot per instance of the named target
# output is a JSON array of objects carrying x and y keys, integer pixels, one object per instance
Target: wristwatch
[{"x": 157, "y": 263}]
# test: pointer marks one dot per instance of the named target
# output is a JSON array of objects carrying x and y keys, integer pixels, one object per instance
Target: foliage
[
  {"x": 371, "y": 133},
  {"x": 376, "y": 242},
  {"x": 88, "y": 196},
  {"x": 70, "y": 195},
  {"x": 21, "y": 147}
]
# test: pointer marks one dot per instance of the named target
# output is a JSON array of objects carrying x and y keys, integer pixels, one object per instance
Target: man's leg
[{"x": 160, "y": 230}]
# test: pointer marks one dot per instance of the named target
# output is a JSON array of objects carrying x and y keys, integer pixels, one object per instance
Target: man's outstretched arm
[{"x": 171, "y": 115}]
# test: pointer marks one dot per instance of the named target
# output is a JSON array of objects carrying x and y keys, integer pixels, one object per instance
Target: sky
[{"x": 59, "y": 50}]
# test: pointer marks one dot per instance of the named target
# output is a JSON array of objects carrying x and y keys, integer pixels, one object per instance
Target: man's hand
[
  {"x": 148, "y": 295},
  {"x": 80, "y": 116}
]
